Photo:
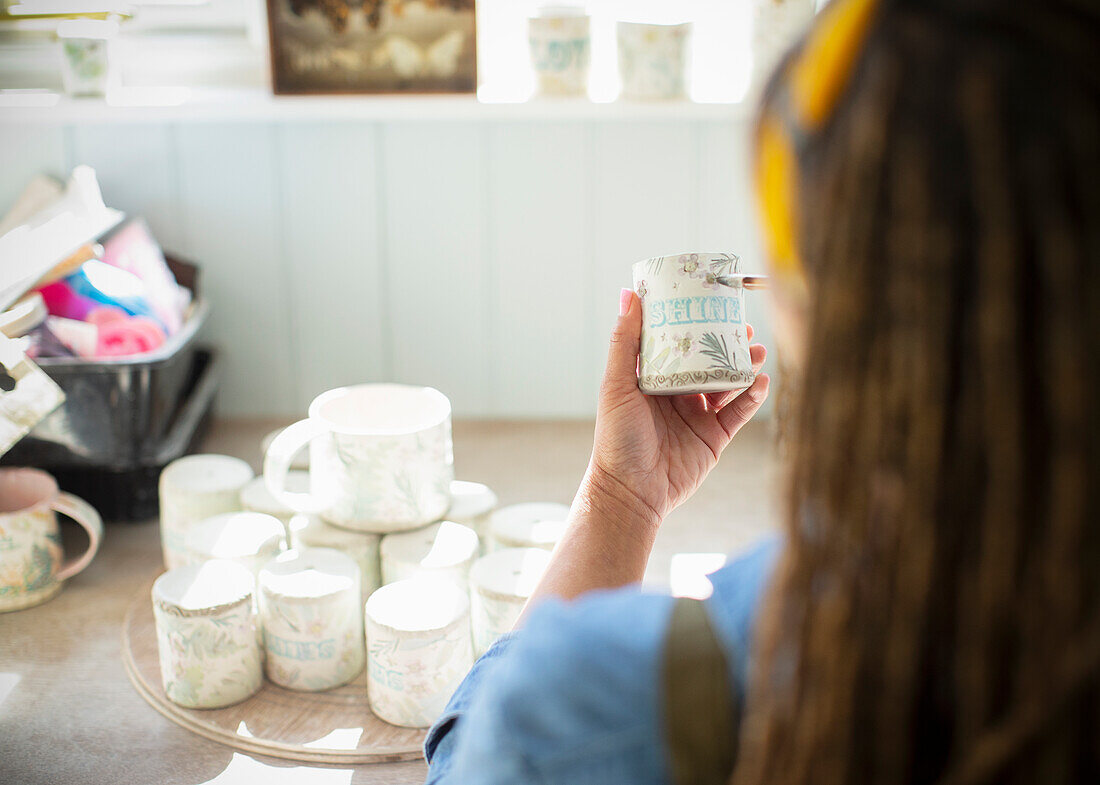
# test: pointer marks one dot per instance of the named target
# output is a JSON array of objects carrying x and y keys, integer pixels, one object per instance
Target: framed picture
[{"x": 372, "y": 46}]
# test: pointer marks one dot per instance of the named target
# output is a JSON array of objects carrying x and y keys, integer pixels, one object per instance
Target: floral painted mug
[
  {"x": 31, "y": 568},
  {"x": 381, "y": 457},
  {"x": 694, "y": 336},
  {"x": 653, "y": 60}
]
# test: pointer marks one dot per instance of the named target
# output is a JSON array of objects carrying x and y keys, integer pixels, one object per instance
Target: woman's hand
[{"x": 652, "y": 452}]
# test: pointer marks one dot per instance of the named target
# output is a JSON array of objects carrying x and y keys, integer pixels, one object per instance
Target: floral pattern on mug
[
  {"x": 683, "y": 344},
  {"x": 709, "y": 279},
  {"x": 30, "y": 557},
  {"x": 313, "y": 645},
  {"x": 411, "y": 676},
  {"x": 207, "y": 662},
  {"x": 388, "y": 484},
  {"x": 689, "y": 265}
]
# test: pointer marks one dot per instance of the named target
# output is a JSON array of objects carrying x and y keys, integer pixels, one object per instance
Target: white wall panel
[
  {"x": 646, "y": 203},
  {"x": 541, "y": 270},
  {"x": 482, "y": 258},
  {"x": 435, "y": 216},
  {"x": 137, "y": 170},
  {"x": 229, "y": 186},
  {"x": 26, "y": 151},
  {"x": 329, "y": 213},
  {"x": 728, "y": 220}
]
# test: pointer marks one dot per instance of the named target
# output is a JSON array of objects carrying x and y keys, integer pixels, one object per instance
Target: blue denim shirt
[{"x": 575, "y": 695}]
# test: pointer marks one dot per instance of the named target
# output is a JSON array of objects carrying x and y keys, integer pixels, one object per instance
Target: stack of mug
[{"x": 345, "y": 560}]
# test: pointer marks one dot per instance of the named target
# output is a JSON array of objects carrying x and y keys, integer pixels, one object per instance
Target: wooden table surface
[{"x": 68, "y": 713}]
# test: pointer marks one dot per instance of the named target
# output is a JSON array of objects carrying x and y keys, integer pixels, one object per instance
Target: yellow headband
[{"x": 810, "y": 90}]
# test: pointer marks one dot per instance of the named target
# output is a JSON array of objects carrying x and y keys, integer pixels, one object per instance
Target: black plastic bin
[
  {"x": 130, "y": 494},
  {"x": 123, "y": 420}
]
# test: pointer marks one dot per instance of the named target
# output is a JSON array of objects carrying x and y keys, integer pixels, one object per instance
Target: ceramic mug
[
  {"x": 311, "y": 610},
  {"x": 31, "y": 568},
  {"x": 381, "y": 458},
  {"x": 418, "y": 649},
  {"x": 694, "y": 337},
  {"x": 559, "y": 43},
  {"x": 500, "y": 585},
  {"x": 208, "y": 638},
  {"x": 653, "y": 60}
]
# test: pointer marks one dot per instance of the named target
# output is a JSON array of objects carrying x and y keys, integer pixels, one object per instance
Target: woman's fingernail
[{"x": 624, "y": 301}]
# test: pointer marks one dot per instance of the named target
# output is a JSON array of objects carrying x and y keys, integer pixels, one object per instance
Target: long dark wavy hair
[{"x": 936, "y": 615}]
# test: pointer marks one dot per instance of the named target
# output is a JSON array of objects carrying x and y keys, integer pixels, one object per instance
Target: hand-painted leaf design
[
  {"x": 659, "y": 361},
  {"x": 716, "y": 349}
]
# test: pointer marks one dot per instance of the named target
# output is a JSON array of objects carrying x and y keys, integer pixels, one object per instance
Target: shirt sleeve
[
  {"x": 733, "y": 606},
  {"x": 572, "y": 698}
]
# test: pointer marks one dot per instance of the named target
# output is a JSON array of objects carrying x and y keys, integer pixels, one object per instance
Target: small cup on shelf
[
  {"x": 653, "y": 60},
  {"x": 560, "y": 49},
  {"x": 87, "y": 65}
]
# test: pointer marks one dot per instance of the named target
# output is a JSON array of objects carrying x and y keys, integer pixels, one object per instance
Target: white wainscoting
[{"x": 481, "y": 257}]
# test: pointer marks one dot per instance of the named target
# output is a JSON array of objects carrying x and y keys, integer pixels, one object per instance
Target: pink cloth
[
  {"x": 61, "y": 300},
  {"x": 105, "y": 314},
  {"x": 121, "y": 334}
]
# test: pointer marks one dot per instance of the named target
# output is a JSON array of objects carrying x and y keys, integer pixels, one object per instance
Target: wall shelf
[{"x": 256, "y": 104}]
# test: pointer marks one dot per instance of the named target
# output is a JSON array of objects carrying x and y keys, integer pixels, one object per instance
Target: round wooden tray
[{"x": 336, "y": 726}]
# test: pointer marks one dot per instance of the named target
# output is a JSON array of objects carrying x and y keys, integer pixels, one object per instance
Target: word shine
[
  {"x": 300, "y": 650},
  {"x": 694, "y": 310}
]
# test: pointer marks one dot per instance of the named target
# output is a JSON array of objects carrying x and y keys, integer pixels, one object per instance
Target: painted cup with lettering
[{"x": 694, "y": 334}]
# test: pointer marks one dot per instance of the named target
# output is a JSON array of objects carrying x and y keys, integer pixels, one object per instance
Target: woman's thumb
[{"x": 622, "y": 358}]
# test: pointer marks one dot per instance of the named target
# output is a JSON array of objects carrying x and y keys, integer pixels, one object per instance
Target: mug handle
[
  {"x": 84, "y": 514},
  {"x": 277, "y": 463}
]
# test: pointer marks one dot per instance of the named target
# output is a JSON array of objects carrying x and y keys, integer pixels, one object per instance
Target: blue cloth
[{"x": 574, "y": 697}]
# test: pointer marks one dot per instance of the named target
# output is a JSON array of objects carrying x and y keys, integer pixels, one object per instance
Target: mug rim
[
  {"x": 317, "y": 403},
  {"x": 633, "y": 25},
  {"x": 41, "y": 503},
  {"x": 701, "y": 254},
  {"x": 563, "y": 11}
]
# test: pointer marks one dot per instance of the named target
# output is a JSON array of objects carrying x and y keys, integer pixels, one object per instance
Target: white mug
[
  {"x": 559, "y": 43},
  {"x": 381, "y": 458},
  {"x": 31, "y": 569},
  {"x": 192, "y": 489},
  {"x": 694, "y": 335},
  {"x": 311, "y": 610},
  {"x": 418, "y": 649},
  {"x": 653, "y": 60}
]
